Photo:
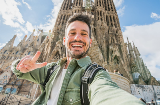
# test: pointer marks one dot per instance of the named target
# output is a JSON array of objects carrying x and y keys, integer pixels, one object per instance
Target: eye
[
  {"x": 72, "y": 33},
  {"x": 84, "y": 34}
]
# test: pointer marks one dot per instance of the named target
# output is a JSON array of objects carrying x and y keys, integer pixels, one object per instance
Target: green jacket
[{"x": 102, "y": 91}]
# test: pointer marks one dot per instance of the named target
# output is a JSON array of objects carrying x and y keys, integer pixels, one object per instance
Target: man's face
[{"x": 77, "y": 39}]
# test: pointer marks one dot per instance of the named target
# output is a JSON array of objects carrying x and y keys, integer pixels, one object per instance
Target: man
[
  {"x": 152, "y": 102},
  {"x": 63, "y": 87}
]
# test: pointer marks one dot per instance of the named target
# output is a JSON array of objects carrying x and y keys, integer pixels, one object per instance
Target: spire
[
  {"x": 63, "y": 15},
  {"x": 136, "y": 50},
  {"x": 11, "y": 42},
  {"x": 66, "y": 5},
  {"x": 127, "y": 40},
  {"x": 106, "y": 12},
  {"x": 77, "y": 3},
  {"x": 22, "y": 43},
  {"x": 99, "y": 3},
  {"x": 109, "y": 5}
]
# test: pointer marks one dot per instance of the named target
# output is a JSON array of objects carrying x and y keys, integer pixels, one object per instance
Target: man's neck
[{"x": 69, "y": 60}]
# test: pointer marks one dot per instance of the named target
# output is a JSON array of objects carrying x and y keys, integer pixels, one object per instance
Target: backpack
[{"x": 86, "y": 79}]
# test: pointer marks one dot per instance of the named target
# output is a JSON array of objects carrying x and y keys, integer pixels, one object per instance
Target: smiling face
[{"x": 77, "y": 40}]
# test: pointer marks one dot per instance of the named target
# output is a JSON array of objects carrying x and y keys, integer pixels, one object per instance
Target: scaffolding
[{"x": 88, "y": 5}]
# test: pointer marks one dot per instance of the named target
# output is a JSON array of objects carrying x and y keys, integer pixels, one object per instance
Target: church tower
[{"x": 108, "y": 44}]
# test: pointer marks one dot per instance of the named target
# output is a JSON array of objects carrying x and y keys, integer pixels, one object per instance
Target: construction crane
[{"x": 88, "y": 5}]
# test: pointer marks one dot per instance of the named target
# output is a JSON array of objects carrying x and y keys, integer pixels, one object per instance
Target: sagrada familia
[{"x": 108, "y": 48}]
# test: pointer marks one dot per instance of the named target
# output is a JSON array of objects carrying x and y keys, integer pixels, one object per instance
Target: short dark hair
[{"x": 80, "y": 17}]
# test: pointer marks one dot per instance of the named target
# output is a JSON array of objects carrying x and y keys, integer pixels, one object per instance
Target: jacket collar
[{"x": 84, "y": 61}]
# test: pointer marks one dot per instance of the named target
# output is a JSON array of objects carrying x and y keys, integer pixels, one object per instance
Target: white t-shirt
[{"x": 56, "y": 88}]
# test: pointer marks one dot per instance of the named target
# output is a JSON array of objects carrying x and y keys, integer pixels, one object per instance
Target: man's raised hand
[{"x": 28, "y": 63}]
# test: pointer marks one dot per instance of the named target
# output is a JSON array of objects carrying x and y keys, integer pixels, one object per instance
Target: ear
[
  {"x": 64, "y": 40},
  {"x": 90, "y": 42}
]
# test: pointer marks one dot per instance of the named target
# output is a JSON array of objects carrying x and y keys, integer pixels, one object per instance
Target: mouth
[{"x": 77, "y": 46}]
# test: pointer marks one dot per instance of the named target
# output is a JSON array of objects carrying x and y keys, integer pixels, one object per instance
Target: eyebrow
[
  {"x": 84, "y": 30},
  {"x": 81, "y": 30}
]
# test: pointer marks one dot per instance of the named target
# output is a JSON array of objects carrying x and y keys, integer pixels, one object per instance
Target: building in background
[{"x": 108, "y": 49}]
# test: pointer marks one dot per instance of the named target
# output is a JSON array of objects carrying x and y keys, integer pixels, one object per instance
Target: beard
[
  {"x": 77, "y": 56},
  {"x": 80, "y": 55}
]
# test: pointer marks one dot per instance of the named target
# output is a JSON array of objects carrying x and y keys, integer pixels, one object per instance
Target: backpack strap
[
  {"x": 87, "y": 79},
  {"x": 49, "y": 73}
]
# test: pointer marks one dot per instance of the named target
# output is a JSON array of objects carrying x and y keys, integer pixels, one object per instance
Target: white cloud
[
  {"x": 57, "y": 2},
  {"x": 119, "y": 6},
  {"x": 10, "y": 13},
  {"x": 29, "y": 27},
  {"x": 118, "y": 3},
  {"x": 121, "y": 11},
  {"x": 146, "y": 39},
  {"x": 155, "y": 16},
  {"x": 11, "y": 16},
  {"x": 2, "y": 45},
  {"x": 50, "y": 23},
  {"x": 19, "y": 34},
  {"x": 29, "y": 7}
]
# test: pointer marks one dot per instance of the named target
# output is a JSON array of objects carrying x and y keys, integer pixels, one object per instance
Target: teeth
[{"x": 77, "y": 45}]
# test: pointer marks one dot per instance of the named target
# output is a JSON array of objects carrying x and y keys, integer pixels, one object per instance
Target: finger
[
  {"x": 26, "y": 61},
  {"x": 22, "y": 60},
  {"x": 36, "y": 56},
  {"x": 20, "y": 67},
  {"x": 29, "y": 68},
  {"x": 39, "y": 65},
  {"x": 23, "y": 70}
]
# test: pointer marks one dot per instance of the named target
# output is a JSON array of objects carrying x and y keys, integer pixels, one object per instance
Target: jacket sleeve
[
  {"x": 103, "y": 91},
  {"x": 36, "y": 76}
]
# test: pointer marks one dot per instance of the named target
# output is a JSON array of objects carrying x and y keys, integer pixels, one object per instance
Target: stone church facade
[{"x": 108, "y": 48}]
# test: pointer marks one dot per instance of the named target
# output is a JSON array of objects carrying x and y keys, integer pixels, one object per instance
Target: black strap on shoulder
[
  {"x": 49, "y": 73},
  {"x": 87, "y": 78}
]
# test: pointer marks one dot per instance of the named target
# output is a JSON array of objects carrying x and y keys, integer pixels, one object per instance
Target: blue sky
[{"x": 139, "y": 20}]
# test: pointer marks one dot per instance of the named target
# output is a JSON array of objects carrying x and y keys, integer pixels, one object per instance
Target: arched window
[
  {"x": 116, "y": 60},
  {"x": 101, "y": 15},
  {"x": 107, "y": 20},
  {"x": 7, "y": 67},
  {"x": 98, "y": 14},
  {"x": 5, "y": 51},
  {"x": 111, "y": 20},
  {"x": 29, "y": 52},
  {"x": 17, "y": 52}
]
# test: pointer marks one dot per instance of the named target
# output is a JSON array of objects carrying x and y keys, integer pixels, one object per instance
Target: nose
[{"x": 78, "y": 37}]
